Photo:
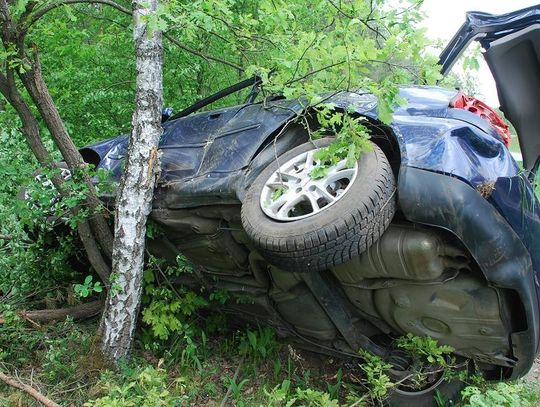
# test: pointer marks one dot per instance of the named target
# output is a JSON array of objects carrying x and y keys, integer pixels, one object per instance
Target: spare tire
[{"x": 303, "y": 224}]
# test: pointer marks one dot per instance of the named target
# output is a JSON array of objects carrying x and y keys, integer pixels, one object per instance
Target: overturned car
[{"x": 435, "y": 231}]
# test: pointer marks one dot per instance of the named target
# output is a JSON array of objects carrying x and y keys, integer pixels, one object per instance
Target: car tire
[
  {"x": 447, "y": 389},
  {"x": 450, "y": 391},
  {"x": 360, "y": 213}
]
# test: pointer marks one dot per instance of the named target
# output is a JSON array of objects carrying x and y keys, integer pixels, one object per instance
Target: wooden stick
[
  {"x": 81, "y": 311},
  {"x": 28, "y": 389},
  {"x": 234, "y": 379}
]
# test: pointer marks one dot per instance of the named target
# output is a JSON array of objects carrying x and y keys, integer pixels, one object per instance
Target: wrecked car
[{"x": 433, "y": 232}]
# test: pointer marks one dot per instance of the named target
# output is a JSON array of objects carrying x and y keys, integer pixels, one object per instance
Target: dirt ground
[{"x": 534, "y": 373}]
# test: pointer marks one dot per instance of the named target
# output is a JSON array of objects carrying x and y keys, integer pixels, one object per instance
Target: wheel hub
[{"x": 291, "y": 193}]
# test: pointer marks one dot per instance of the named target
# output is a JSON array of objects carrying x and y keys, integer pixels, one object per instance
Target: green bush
[
  {"x": 500, "y": 395},
  {"x": 146, "y": 386}
]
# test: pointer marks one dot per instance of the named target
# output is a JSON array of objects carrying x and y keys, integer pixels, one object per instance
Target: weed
[
  {"x": 333, "y": 389},
  {"x": 259, "y": 344},
  {"x": 140, "y": 387},
  {"x": 283, "y": 395},
  {"x": 426, "y": 347},
  {"x": 87, "y": 287},
  {"x": 236, "y": 388},
  {"x": 277, "y": 368},
  {"x": 279, "y": 395},
  {"x": 374, "y": 368},
  {"x": 500, "y": 394}
]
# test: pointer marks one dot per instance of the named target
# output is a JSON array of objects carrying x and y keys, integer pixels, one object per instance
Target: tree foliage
[{"x": 299, "y": 48}]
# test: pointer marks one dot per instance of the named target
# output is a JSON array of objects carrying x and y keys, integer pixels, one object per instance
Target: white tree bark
[{"x": 134, "y": 200}]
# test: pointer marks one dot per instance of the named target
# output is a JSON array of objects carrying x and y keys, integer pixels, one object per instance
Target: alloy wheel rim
[{"x": 290, "y": 193}]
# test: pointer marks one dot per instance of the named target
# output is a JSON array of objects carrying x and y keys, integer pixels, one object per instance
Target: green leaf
[
  {"x": 320, "y": 171},
  {"x": 351, "y": 156},
  {"x": 252, "y": 339},
  {"x": 278, "y": 192}
]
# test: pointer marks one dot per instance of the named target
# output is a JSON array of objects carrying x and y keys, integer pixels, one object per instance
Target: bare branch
[
  {"x": 28, "y": 389},
  {"x": 81, "y": 311},
  {"x": 202, "y": 55},
  {"x": 51, "y": 6}
]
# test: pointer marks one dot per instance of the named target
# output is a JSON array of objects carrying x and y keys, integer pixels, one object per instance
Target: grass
[
  {"x": 233, "y": 370},
  {"x": 59, "y": 360}
]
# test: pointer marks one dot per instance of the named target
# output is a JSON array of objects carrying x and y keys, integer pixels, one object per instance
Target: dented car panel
[
  {"x": 208, "y": 149},
  {"x": 434, "y": 199}
]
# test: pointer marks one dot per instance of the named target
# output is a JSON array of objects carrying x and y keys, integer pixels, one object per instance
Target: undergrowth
[{"x": 249, "y": 366}]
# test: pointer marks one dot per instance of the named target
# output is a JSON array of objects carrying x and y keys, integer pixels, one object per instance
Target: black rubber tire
[
  {"x": 450, "y": 391},
  {"x": 335, "y": 235}
]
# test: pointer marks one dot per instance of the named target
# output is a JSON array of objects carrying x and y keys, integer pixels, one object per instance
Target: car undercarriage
[{"x": 414, "y": 279}]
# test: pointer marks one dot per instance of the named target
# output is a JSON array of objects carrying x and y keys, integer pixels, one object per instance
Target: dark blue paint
[
  {"x": 486, "y": 28},
  {"x": 431, "y": 136},
  {"x": 515, "y": 199}
]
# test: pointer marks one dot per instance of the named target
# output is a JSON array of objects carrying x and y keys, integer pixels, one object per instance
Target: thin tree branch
[
  {"x": 28, "y": 10},
  {"x": 41, "y": 12},
  {"x": 10, "y": 238},
  {"x": 101, "y": 18},
  {"x": 343, "y": 13},
  {"x": 28, "y": 389},
  {"x": 233, "y": 30},
  {"x": 202, "y": 55},
  {"x": 302, "y": 57},
  {"x": 314, "y": 72},
  {"x": 371, "y": 10},
  {"x": 340, "y": 10},
  {"x": 408, "y": 68},
  {"x": 44, "y": 10},
  {"x": 234, "y": 379}
]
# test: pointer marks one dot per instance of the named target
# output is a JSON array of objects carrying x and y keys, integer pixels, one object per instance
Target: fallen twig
[
  {"x": 235, "y": 377},
  {"x": 27, "y": 389},
  {"x": 81, "y": 311}
]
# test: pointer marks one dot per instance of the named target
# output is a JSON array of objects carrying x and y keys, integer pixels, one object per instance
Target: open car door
[{"x": 511, "y": 44}]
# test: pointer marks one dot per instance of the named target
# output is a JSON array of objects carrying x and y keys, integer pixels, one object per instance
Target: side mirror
[{"x": 166, "y": 113}]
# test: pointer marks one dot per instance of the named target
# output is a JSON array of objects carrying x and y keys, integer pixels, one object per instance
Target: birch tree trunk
[{"x": 134, "y": 200}]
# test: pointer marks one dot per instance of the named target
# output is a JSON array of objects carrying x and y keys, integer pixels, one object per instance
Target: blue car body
[{"x": 442, "y": 157}]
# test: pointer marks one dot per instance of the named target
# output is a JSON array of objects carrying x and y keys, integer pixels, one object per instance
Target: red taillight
[{"x": 462, "y": 101}]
